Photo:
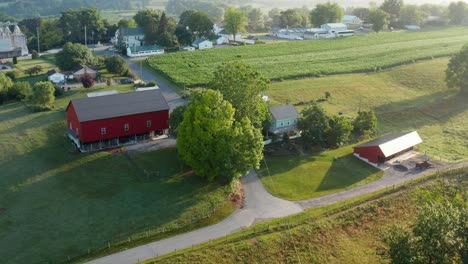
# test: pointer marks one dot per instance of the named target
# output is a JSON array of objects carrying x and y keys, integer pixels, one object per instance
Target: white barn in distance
[{"x": 12, "y": 44}]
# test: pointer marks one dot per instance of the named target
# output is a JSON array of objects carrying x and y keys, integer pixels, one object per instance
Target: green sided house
[{"x": 284, "y": 120}]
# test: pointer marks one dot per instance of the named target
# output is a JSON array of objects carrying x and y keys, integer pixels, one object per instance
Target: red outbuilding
[
  {"x": 387, "y": 147},
  {"x": 100, "y": 122}
]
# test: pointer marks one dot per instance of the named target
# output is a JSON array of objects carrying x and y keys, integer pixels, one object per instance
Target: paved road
[
  {"x": 171, "y": 96},
  {"x": 259, "y": 205}
]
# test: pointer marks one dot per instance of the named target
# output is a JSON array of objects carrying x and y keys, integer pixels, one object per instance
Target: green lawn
[
  {"x": 315, "y": 58},
  {"x": 56, "y": 203},
  {"x": 412, "y": 97},
  {"x": 29, "y": 63},
  {"x": 302, "y": 177},
  {"x": 347, "y": 232}
]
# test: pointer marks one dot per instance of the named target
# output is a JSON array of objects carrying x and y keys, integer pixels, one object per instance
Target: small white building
[
  {"x": 351, "y": 21},
  {"x": 55, "y": 76},
  {"x": 143, "y": 51},
  {"x": 330, "y": 30},
  {"x": 129, "y": 37},
  {"x": 412, "y": 27},
  {"x": 187, "y": 48},
  {"x": 221, "y": 41},
  {"x": 202, "y": 44}
]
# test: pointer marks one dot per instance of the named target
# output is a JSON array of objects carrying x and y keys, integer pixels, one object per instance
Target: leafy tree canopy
[
  {"x": 378, "y": 18},
  {"x": 242, "y": 86},
  {"x": 392, "y": 7},
  {"x": 72, "y": 55},
  {"x": 365, "y": 123},
  {"x": 213, "y": 143},
  {"x": 116, "y": 64},
  {"x": 43, "y": 94},
  {"x": 314, "y": 124},
  {"x": 74, "y": 21},
  {"x": 234, "y": 20},
  {"x": 456, "y": 74},
  {"x": 339, "y": 131},
  {"x": 326, "y": 13}
]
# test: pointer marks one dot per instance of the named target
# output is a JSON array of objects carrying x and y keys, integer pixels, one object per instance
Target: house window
[
  {"x": 148, "y": 123},
  {"x": 103, "y": 131},
  {"x": 126, "y": 127}
]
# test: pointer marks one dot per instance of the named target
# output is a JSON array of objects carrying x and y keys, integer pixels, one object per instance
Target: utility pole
[
  {"x": 85, "y": 37},
  {"x": 38, "y": 43}
]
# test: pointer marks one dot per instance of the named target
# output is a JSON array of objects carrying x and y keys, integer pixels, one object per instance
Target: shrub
[
  {"x": 116, "y": 64},
  {"x": 58, "y": 91},
  {"x": 87, "y": 81},
  {"x": 109, "y": 82},
  {"x": 11, "y": 75},
  {"x": 34, "y": 55},
  {"x": 20, "y": 91},
  {"x": 15, "y": 60},
  {"x": 151, "y": 84}
]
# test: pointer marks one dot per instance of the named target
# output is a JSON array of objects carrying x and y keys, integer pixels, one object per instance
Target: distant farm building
[
  {"x": 12, "y": 43},
  {"x": 284, "y": 120},
  {"x": 351, "y": 21},
  {"x": 330, "y": 30},
  {"x": 100, "y": 122},
  {"x": 202, "y": 43},
  {"x": 143, "y": 51},
  {"x": 55, "y": 76},
  {"x": 387, "y": 147}
]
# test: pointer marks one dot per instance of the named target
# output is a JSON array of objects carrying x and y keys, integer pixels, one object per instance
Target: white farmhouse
[
  {"x": 221, "y": 40},
  {"x": 12, "y": 43},
  {"x": 55, "y": 76},
  {"x": 143, "y": 51},
  {"x": 351, "y": 21},
  {"x": 202, "y": 43},
  {"x": 130, "y": 37}
]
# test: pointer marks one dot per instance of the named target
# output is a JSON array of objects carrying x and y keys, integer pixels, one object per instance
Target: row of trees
[
  {"x": 323, "y": 130},
  {"x": 41, "y": 95}
]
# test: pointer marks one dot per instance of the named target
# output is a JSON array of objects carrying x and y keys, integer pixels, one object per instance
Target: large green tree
[
  {"x": 457, "y": 71},
  {"x": 314, "y": 125},
  {"x": 74, "y": 22},
  {"x": 290, "y": 18},
  {"x": 411, "y": 15},
  {"x": 116, "y": 64},
  {"x": 213, "y": 143},
  {"x": 197, "y": 23},
  {"x": 5, "y": 84},
  {"x": 362, "y": 13},
  {"x": 378, "y": 18},
  {"x": 149, "y": 19},
  {"x": 72, "y": 55},
  {"x": 392, "y": 7},
  {"x": 43, "y": 94},
  {"x": 177, "y": 116},
  {"x": 458, "y": 12},
  {"x": 339, "y": 131},
  {"x": 242, "y": 86},
  {"x": 235, "y": 21},
  {"x": 326, "y": 13},
  {"x": 439, "y": 235},
  {"x": 365, "y": 123}
]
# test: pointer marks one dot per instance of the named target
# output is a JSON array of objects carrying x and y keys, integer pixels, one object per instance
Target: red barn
[
  {"x": 112, "y": 120},
  {"x": 387, "y": 147}
]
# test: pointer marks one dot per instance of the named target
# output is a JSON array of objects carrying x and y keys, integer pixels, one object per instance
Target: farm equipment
[{"x": 423, "y": 165}]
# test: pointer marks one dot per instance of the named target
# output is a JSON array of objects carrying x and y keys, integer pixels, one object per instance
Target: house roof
[
  {"x": 145, "y": 48},
  {"x": 79, "y": 67},
  {"x": 335, "y": 25},
  {"x": 349, "y": 18},
  {"x": 52, "y": 72},
  {"x": 115, "y": 105},
  {"x": 198, "y": 41},
  {"x": 284, "y": 112},
  {"x": 393, "y": 143},
  {"x": 133, "y": 31}
]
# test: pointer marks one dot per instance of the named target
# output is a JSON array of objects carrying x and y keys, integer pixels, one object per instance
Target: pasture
[
  {"x": 56, "y": 203},
  {"x": 411, "y": 97},
  {"x": 291, "y": 60}
]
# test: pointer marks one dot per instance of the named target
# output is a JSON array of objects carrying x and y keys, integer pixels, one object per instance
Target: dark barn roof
[
  {"x": 133, "y": 31},
  {"x": 115, "y": 105},
  {"x": 284, "y": 112}
]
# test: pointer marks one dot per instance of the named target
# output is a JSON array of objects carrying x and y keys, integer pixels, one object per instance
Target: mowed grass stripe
[{"x": 314, "y": 58}]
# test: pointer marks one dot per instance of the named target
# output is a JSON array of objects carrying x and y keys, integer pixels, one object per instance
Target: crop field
[
  {"x": 410, "y": 97},
  {"x": 57, "y": 204},
  {"x": 315, "y": 58}
]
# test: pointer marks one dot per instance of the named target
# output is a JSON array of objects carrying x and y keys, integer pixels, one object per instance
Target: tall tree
[
  {"x": 50, "y": 33},
  {"x": 326, "y": 13},
  {"x": 458, "y": 12},
  {"x": 256, "y": 21},
  {"x": 43, "y": 94},
  {"x": 149, "y": 19},
  {"x": 126, "y": 23},
  {"x": 235, "y": 21},
  {"x": 365, "y": 123},
  {"x": 362, "y": 13},
  {"x": 456, "y": 75},
  {"x": 290, "y": 18},
  {"x": 378, "y": 18},
  {"x": 5, "y": 84},
  {"x": 314, "y": 124},
  {"x": 177, "y": 116},
  {"x": 213, "y": 143},
  {"x": 392, "y": 7},
  {"x": 196, "y": 24},
  {"x": 74, "y": 22},
  {"x": 411, "y": 15},
  {"x": 164, "y": 37},
  {"x": 242, "y": 86},
  {"x": 339, "y": 131},
  {"x": 72, "y": 55}
]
